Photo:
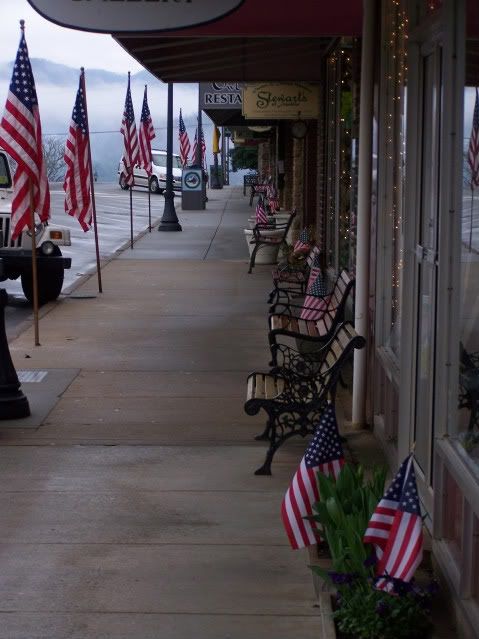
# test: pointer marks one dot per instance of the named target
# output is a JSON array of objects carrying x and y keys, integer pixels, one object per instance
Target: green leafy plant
[{"x": 363, "y": 611}]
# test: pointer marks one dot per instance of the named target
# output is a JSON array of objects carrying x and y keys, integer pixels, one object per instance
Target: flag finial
[{"x": 22, "y": 25}]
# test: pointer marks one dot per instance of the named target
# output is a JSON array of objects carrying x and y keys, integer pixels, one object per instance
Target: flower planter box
[{"x": 266, "y": 254}]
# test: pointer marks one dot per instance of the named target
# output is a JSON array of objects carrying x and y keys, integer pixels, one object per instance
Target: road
[{"x": 113, "y": 216}]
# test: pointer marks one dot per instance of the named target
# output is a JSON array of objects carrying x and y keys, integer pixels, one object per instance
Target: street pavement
[{"x": 129, "y": 505}]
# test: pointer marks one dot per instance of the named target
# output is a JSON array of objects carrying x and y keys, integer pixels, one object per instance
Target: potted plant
[{"x": 362, "y": 610}]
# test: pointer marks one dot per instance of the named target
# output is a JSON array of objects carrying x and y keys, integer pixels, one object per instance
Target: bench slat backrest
[
  {"x": 334, "y": 313},
  {"x": 336, "y": 352}
]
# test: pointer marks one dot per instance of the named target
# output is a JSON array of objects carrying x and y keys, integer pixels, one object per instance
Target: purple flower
[{"x": 382, "y": 608}]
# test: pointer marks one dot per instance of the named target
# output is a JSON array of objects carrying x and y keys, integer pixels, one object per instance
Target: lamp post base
[{"x": 169, "y": 219}]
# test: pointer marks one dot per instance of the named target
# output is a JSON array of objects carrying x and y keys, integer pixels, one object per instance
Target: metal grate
[{"x": 5, "y": 223}]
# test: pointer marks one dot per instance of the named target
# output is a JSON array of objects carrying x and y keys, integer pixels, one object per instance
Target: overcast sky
[{"x": 59, "y": 44}]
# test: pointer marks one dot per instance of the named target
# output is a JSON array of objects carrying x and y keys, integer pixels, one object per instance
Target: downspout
[{"x": 364, "y": 209}]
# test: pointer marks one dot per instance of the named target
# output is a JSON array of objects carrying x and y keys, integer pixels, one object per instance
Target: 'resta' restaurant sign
[
  {"x": 222, "y": 95},
  {"x": 276, "y": 101},
  {"x": 117, "y": 16}
]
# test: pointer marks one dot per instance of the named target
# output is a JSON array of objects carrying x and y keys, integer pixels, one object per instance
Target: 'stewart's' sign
[
  {"x": 281, "y": 101},
  {"x": 117, "y": 16},
  {"x": 223, "y": 95}
]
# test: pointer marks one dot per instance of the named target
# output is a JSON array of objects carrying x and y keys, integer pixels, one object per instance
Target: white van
[{"x": 157, "y": 182}]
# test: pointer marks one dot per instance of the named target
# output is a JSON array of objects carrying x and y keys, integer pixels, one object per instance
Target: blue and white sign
[{"x": 191, "y": 180}]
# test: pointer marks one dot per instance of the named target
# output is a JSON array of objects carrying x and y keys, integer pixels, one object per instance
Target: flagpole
[
  {"x": 472, "y": 208},
  {"x": 95, "y": 228},
  {"x": 149, "y": 210},
  {"x": 34, "y": 265},
  {"x": 131, "y": 217}
]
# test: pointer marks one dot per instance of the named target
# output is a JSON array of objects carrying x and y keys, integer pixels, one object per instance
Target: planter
[{"x": 266, "y": 254}]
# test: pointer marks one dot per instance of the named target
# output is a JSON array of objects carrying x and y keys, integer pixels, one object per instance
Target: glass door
[{"x": 426, "y": 254}]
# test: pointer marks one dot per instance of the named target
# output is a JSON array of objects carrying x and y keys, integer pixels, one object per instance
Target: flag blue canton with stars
[
  {"x": 79, "y": 112},
  {"x": 326, "y": 444},
  {"x": 404, "y": 489},
  {"x": 23, "y": 84},
  {"x": 318, "y": 287},
  {"x": 304, "y": 236}
]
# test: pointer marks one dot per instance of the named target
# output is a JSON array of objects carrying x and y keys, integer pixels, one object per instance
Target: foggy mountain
[{"x": 57, "y": 85}]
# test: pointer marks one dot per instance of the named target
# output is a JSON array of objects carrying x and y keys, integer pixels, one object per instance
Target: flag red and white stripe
[
  {"x": 77, "y": 183},
  {"x": 130, "y": 139},
  {"x": 395, "y": 529},
  {"x": 261, "y": 217},
  {"x": 316, "y": 301},
  {"x": 146, "y": 135},
  {"x": 184, "y": 142},
  {"x": 21, "y": 137},
  {"x": 324, "y": 454},
  {"x": 473, "y": 151}
]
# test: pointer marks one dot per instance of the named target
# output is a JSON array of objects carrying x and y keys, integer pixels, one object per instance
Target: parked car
[
  {"x": 157, "y": 181},
  {"x": 16, "y": 255}
]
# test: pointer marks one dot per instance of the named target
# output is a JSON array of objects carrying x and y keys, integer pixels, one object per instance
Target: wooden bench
[
  {"x": 261, "y": 237},
  {"x": 294, "y": 397},
  {"x": 290, "y": 280},
  {"x": 250, "y": 179},
  {"x": 284, "y": 319}
]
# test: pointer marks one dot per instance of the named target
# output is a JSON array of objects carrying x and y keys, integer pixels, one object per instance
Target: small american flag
[
  {"x": 185, "y": 145},
  {"x": 203, "y": 147},
  {"x": 130, "y": 139},
  {"x": 21, "y": 137},
  {"x": 473, "y": 152},
  {"x": 324, "y": 454},
  {"x": 315, "y": 270},
  {"x": 261, "y": 217},
  {"x": 395, "y": 529},
  {"x": 316, "y": 301},
  {"x": 272, "y": 195},
  {"x": 77, "y": 185},
  {"x": 303, "y": 243},
  {"x": 146, "y": 135}
]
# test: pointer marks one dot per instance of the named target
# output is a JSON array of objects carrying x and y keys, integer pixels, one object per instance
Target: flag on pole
[
  {"x": 395, "y": 529},
  {"x": 303, "y": 243},
  {"x": 324, "y": 454},
  {"x": 77, "y": 183},
  {"x": 203, "y": 147},
  {"x": 216, "y": 139},
  {"x": 473, "y": 152},
  {"x": 21, "y": 137},
  {"x": 316, "y": 300},
  {"x": 185, "y": 145},
  {"x": 261, "y": 217},
  {"x": 130, "y": 139},
  {"x": 146, "y": 135}
]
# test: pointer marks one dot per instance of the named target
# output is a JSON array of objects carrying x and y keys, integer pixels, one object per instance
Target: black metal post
[
  {"x": 169, "y": 220},
  {"x": 13, "y": 403}
]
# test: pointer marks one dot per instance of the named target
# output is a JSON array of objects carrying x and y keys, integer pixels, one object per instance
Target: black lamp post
[
  {"x": 13, "y": 403},
  {"x": 169, "y": 220}
]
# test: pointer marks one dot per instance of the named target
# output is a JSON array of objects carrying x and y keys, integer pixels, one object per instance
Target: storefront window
[
  {"x": 340, "y": 237},
  {"x": 392, "y": 165},
  {"x": 468, "y": 422}
]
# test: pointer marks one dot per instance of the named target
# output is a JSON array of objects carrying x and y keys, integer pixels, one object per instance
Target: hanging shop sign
[
  {"x": 281, "y": 101},
  {"x": 222, "y": 95},
  {"x": 120, "y": 16}
]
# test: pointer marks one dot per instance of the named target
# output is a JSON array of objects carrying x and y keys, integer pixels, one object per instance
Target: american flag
[
  {"x": 146, "y": 135},
  {"x": 316, "y": 300},
  {"x": 303, "y": 243},
  {"x": 261, "y": 217},
  {"x": 395, "y": 529},
  {"x": 130, "y": 139},
  {"x": 324, "y": 454},
  {"x": 315, "y": 270},
  {"x": 473, "y": 153},
  {"x": 21, "y": 137},
  {"x": 203, "y": 147},
  {"x": 77, "y": 184},
  {"x": 272, "y": 195},
  {"x": 185, "y": 145}
]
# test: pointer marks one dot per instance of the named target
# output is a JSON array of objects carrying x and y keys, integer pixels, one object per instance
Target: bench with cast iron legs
[
  {"x": 290, "y": 280},
  {"x": 294, "y": 396},
  {"x": 263, "y": 236},
  {"x": 285, "y": 321}
]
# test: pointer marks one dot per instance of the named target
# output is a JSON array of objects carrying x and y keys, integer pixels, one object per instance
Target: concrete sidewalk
[{"x": 129, "y": 505}]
